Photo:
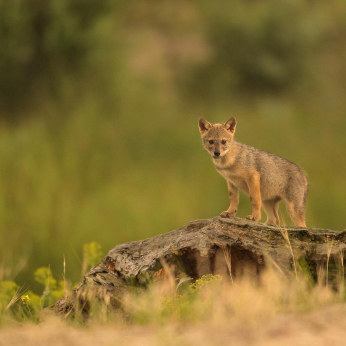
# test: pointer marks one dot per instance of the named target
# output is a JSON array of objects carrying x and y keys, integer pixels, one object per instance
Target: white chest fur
[{"x": 233, "y": 177}]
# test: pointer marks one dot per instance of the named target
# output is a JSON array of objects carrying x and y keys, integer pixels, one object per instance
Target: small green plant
[
  {"x": 16, "y": 304},
  {"x": 29, "y": 306},
  {"x": 53, "y": 289},
  {"x": 204, "y": 281},
  {"x": 92, "y": 255},
  {"x": 24, "y": 305},
  {"x": 183, "y": 304},
  {"x": 8, "y": 290},
  {"x": 307, "y": 269}
]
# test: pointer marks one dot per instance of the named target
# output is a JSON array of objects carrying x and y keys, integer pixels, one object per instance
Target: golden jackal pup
[{"x": 267, "y": 178}]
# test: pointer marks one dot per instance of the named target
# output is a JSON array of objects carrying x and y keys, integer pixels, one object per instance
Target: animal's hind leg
[
  {"x": 271, "y": 207},
  {"x": 297, "y": 213}
]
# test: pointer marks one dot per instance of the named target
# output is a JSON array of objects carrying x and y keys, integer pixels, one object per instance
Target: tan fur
[{"x": 267, "y": 178}]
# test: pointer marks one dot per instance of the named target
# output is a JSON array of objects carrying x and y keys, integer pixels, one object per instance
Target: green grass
[
  {"x": 110, "y": 152},
  {"x": 115, "y": 155},
  {"x": 113, "y": 179}
]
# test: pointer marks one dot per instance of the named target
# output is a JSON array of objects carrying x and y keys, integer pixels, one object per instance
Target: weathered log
[{"x": 229, "y": 247}]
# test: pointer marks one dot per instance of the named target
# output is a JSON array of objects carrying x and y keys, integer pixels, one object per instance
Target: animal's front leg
[
  {"x": 234, "y": 200},
  {"x": 253, "y": 183}
]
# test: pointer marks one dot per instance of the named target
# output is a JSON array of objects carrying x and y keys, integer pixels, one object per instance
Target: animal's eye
[
  {"x": 223, "y": 142},
  {"x": 211, "y": 142}
]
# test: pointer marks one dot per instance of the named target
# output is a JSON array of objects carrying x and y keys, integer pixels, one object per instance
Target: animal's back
[{"x": 278, "y": 176}]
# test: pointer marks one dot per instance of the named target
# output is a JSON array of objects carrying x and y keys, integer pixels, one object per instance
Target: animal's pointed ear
[
  {"x": 204, "y": 126},
  {"x": 230, "y": 125}
]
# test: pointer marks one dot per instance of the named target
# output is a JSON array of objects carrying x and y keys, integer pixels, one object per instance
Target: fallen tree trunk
[{"x": 228, "y": 247}]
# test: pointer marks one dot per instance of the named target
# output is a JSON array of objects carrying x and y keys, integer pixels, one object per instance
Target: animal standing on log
[{"x": 267, "y": 178}]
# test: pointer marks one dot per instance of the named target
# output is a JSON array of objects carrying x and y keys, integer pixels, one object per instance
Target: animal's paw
[
  {"x": 271, "y": 222},
  {"x": 227, "y": 214},
  {"x": 253, "y": 218}
]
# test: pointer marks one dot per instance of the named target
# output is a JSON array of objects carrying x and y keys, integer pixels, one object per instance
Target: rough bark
[{"x": 213, "y": 246}]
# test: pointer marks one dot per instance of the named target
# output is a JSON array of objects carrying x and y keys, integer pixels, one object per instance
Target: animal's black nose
[{"x": 216, "y": 153}]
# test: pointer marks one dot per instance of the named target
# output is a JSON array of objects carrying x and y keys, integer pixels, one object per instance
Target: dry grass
[
  {"x": 275, "y": 309},
  {"x": 278, "y": 310},
  {"x": 319, "y": 327}
]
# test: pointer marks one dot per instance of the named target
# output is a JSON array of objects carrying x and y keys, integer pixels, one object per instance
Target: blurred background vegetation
[{"x": 99, "y": 102}]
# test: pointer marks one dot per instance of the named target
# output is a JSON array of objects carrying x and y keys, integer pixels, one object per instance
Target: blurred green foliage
[
  {"x": 8, "y": 290},
  {"x": 99, "y": 104},
  {"x": 261, "y": 46},
  {"x": 92, "y": 255},
  {"x": 41, "y": 41},
  {"x": 22, "y": 304},
  {"x": 53, "y": 289}
]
